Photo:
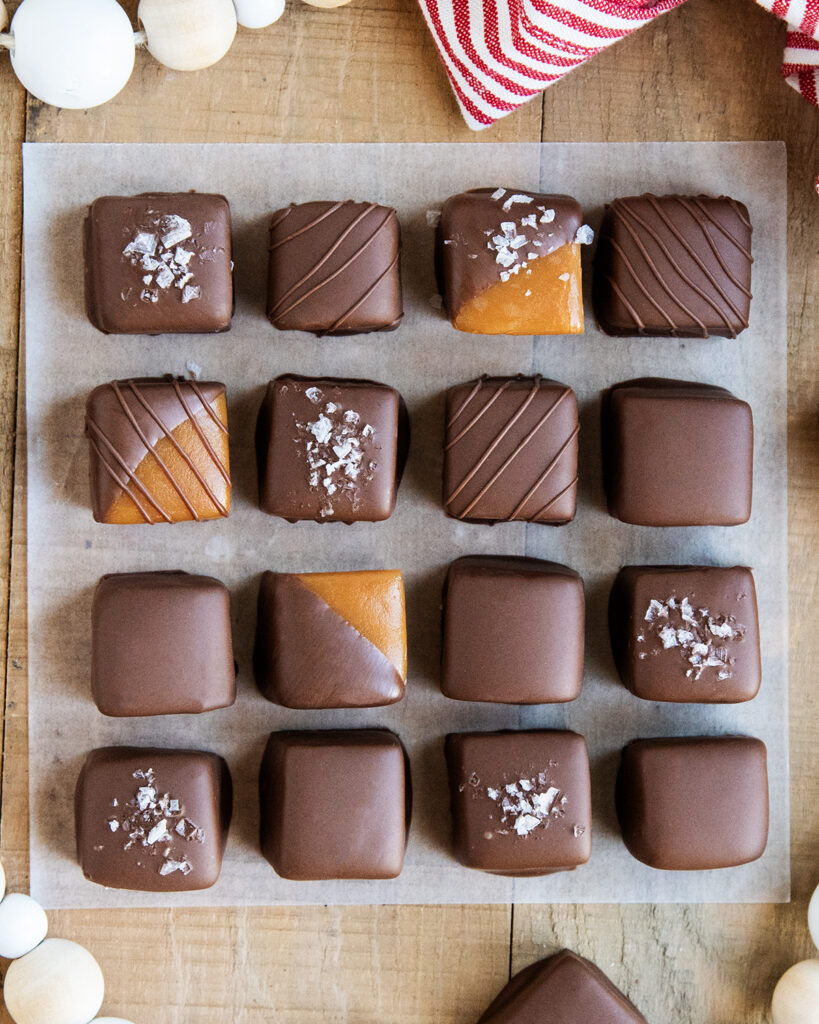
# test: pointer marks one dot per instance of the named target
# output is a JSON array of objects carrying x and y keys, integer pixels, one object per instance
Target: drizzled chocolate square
[
  {"x": 513, "y": 631},
  {"x": 686, "y": 633},
  {"x": 677, "y": 453},
  {"x": 335, "y": 804},
  {"x": 694, "y": 803},
  {"x": 510, "y": 450},
  {"x": 330, "y": 449},
  {"x": 521, "y": 801},
  {"x": 334, "y": 268},
  {"x": 159, "y": 263},
  {"x": 153, "y": 820}
]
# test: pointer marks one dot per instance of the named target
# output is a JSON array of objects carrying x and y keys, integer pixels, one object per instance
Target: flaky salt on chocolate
[{"x": 159, "y": 263}]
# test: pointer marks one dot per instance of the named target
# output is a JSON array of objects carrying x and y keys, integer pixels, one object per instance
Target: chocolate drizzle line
[
  {"x": 504, "y": 466},
  {"x": 628, "y": 217},
  {"x": 277, "y": 309},
  {"x": 100, "y": 441}
]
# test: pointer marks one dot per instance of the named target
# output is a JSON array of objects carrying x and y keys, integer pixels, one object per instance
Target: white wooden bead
[
  {"x": 4, "y": 16},
  {"x": 327, "y": 4},
  {"x": 110, "y": 1020},
  {"x": 23, "y": 925},
  {"x": 2, "y": 869},
  {"x": 188, "y": 35},
  {"x": 796, "y": 996},
  {"x": 59, "y": 982},
  {"x": 258, "y": 13},
  {"x": 813, "y": 917},
  {"x": 77, "y": 54}
]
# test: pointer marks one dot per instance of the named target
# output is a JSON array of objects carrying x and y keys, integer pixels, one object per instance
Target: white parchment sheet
[{"x": 68, "y": 552}]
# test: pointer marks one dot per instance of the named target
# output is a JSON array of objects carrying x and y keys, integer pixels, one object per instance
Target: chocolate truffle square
[
  {"x": 686, "y": 633},
  {"x": 335, "y": 804},
  {"x": 521, "y": 801},
  {"x": 153, "y": 820},
  {"x": 159, "y": 263},
  {"x": 158, "y": 451},
  {"x": 334, "y": 268},
  {"x": 513, "y": 631},
  {"x": 508, "y": 262},
  {"x": 330, "y": 450},
  {"x": 673, "y": 266},
  {"x": 694, "y": 803},
  {"x": 677, "y": 453},
  {"x": 161, "y": 644},
  {"x": 571, "y": 990},
  {"x": 510, "y": 451},
  {"x": 331, "y": 639}
]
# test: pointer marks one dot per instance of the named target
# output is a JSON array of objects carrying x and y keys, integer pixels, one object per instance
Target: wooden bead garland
[
  {"x": 80, "y": 53},
  {"x": 59, "y": 982},
  {"x": 23, "y": 925}
]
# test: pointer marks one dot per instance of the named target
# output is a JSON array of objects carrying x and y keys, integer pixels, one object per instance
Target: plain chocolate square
[
  {"x": 335, "y": 804},
  {"x": 510, "y": 451},
  {"x": 159, "y": 263},
  {"x": 673, "y": 266},
  {"x": 677, "y": 453},
  {"x": 686, "y": 633},
  {"x": 331, "y": 639},
  {"x": 334, "y": 268},
  {"x": 491, "y": 246},
  {"x": 568, "y": 989},
  {"x": 330, "y": 449},
  {"x": 153, "y": 820},
  {"x": 161, "y": 644},
  {"x": 694, "y": 803},
  {"x": 521, "y": 801},
  {"x": 159, "y": 451},
  {"x": 513, "y": 630}
]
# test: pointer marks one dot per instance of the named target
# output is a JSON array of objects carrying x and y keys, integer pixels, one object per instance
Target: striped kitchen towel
[{"x": 500, "y": 53}]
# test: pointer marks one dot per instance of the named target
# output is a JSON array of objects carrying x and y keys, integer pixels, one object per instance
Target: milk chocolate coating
[
  {"x": 124, "y": 421},
  {"x": 677, "y": 453},
  {"x": 136, "y": 284},
  {"x": 466, "y": 266},
  {"x": 152, "y": 820},
  {"x": 686, "y": 633},
  {"x": 301, "y": 423},
  {"x": 513, "y": 631},
  {"x": 675, "y": 266},
  {"x": 521, "y": 801},
  {"x": 308, "y": 656},
  {"x": 564, "y": 989},
  {"x": 334, "y": 268},
  {"x": 695, "y": 803},
  {"x": 335, "y": 804},
  {"x": 510, "y": 451},
  {"x": 161, "y": 644}
]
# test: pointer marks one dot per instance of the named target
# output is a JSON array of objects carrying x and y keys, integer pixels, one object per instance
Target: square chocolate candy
[
  {"x": 508, "y": 262},
  {"x": 566, "y": 989},
  {"x": 159, "y": 263},
  {"x": 694, "y": 803},
  {"x": 673, "y": 266},
  {"x": 511, "y": 451},
  {"x": 521, "y": 801},
  {"x": 161, "y": 644},
  {"x": 331, "y": 639},
  {"x": 154, "y": 820},
  {"x": 158, "y": 451},
  {"x": 677, "y": 453},
  {"x": 334, "y": 268},
  {"x": 335, "y": 804},
  {"x": 330, "y": 450},
  {"x": 686, "y": 633},
  {"x": 513, "y": 631}
]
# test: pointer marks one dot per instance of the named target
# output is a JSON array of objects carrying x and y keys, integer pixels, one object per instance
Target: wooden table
[{"x": 369, "y": 72}]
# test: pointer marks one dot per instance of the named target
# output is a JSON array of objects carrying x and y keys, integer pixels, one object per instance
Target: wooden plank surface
[{"x": 369, "y": 71}]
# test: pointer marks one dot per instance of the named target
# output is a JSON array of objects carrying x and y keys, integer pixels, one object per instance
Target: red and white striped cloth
[{"x": 500, "y": 53}]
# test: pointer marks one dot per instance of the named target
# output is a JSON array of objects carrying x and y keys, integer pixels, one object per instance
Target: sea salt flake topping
[
  {"x": 547, "y": 216},
  {"x": 564, "y": 277},
  {"x": 314, "y": 395},
  {"x": 335, "y": 443},
  {"x": 176, "y": 228},
  {"x": 529, "y": 221},
  {"x": 701, "y": 638},
  {"x": 143, "y": 242},
  {"x": 169, "y": 866},
  {"x": 585, "y": 235},
  {"x": 527, "y": 803},
  {"x": 191, "y": 292},
  {"x": 499, "y": 193},
  {"x": 516, "y": 198},
  {"x": 158, "y": 252}
]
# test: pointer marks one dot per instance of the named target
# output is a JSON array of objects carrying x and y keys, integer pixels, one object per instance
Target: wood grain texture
[{"x": 369, "y": 71}]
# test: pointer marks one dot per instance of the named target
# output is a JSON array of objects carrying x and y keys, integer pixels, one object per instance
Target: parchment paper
[{"x": 68, "y": 552}]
